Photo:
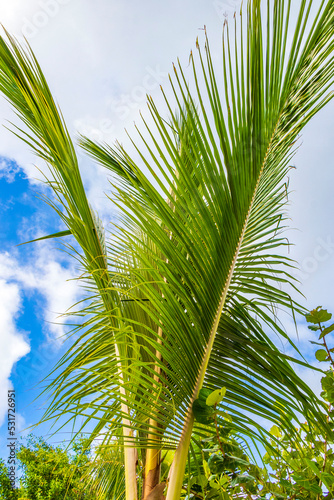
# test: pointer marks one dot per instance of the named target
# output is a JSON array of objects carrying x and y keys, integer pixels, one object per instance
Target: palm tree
[{"x": 184, "y": 292}]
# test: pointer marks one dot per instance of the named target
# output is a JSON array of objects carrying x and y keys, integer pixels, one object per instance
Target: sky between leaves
[{"x": 101, "y": 58}]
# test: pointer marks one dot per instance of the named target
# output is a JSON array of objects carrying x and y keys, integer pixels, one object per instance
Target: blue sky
[
  {"x": 100, "y": 60},
  {"x": 29, "y": 276}
]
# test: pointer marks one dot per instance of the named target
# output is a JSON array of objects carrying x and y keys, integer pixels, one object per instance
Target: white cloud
[
  {"x": 22, "y": 427},
  {"x": 47, "y": 276},
  {"x": 13, "y": 344},
  {"x": 50, "y": 279},
  {"x": 8, "y": 169},
  {"x": 89, "y": 59},
  {"x": 311, "y": 378}
]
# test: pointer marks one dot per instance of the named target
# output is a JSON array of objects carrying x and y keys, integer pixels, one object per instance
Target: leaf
[
  {"x": 330, "y": 395},
  {"x": 226, "y": 416},
  {"x": 326, "y": 331},
  {"x": 219, "y": 463},
  {"x": 314, "y": 328},
  {"x": 275, "y": 431},
  {"x": 313, "y": 467},
  {"x": 306, "y": 483},
  {"x": 323, "y": 394},
  {"x": 327, "y": 479},
  {"x": 206, "y": 468},
  {"x": 200, "y": 480},
  {"x": 243, "y": 479},
  {"x": 318, "y": 315},
  {"x": 214, "y": 484},
  {"x": 321, "y": 355},
  {"x": 54, "y": 235},
  {"x": 327, "y": 382},
  {"x": 203, "y": 413},
  {"x": 203, "y": 394},
  {"x": 216, "y": 464},
  {"x": 224, "y": 480},
  {"x": 285, "y": 483},
  {"x": 216, "y": 397}
]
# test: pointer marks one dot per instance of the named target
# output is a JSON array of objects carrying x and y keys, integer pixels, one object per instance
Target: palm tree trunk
[
  {"x": 153, "y": 455},
  {"x": 130, "y": 453}
]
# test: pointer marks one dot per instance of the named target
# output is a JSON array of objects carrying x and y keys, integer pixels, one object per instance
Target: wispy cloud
[
  {"x": 56, "y": 293},
  {"x": 13, "y": 343},
  {"x": 8, "y": 169}
]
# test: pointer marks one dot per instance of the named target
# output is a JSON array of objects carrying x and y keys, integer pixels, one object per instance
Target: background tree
[
  {"x": 6, "y": 491},
  {"x": 49, "y": 472},
  {"x": 52, "y": 473}
]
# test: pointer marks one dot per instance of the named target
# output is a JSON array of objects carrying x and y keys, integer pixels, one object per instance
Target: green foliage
[
  {"x": 6, "y": 491},
  {"x": 216, "y": 397},
  {"x": 300, "y": 468},
  {"x": 203, "y": 412},
  {"x": 220, "y": 466},
  {"x": 318, "y": 316},
  {"x": 51, "y": 473},
  {"x": 205, "y": 407},
  {"x": 225, "y": 471},
  {"x": 304, "y": 468}
]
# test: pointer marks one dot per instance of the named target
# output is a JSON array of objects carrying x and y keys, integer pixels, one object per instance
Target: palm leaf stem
[{"x": 181, "y": 454}]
